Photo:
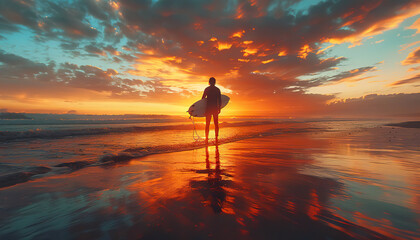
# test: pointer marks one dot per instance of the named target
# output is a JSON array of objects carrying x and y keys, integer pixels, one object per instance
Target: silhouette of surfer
[{"x": 214, "y": 103}]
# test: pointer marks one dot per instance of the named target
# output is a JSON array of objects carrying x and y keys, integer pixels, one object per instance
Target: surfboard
[{"x": 198, "y": 109}]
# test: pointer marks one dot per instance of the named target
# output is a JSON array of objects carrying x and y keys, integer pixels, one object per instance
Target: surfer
[{"x": 214, "y": 103}]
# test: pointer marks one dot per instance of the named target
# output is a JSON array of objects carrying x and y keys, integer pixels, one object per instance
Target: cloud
[
  {"x": 67, "y": 21},
  {"x": 18, "y": 12},
  {"x": 407, "y": 81},
  {"x": 377, "y": 105},
  {"x": 6, "y": 25},
  {"x": 69, "y": 45},
  {"x": 47, "y": 18},
  {"x": 415, "y": 26},
  {"x": 258, "y": 50},
  {"x": 193, "y": 32},
  {"x": 14, "y": 66},
  {"x": 101, "y": 10},
  {"x": 24, "y": 79},
  {"x": 94, "y": 50},
  {"x": 408, "y": 45},
  {"x": 72, "y": 112},
  {"x": 412, "y": 58},
  {"x": 346, "y": 76}
]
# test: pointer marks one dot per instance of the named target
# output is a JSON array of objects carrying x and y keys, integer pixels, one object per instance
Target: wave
[
  {"x": 131, "y": 153},
  {"x": 48, "y": 134},
  {"x": 22, "y": 176}
]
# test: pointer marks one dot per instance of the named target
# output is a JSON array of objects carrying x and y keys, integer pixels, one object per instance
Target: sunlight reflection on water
[{"x": 315, "y": 185}]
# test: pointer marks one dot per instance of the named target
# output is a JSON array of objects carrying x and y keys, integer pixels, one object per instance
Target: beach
[{"x": 264, "y": 180}]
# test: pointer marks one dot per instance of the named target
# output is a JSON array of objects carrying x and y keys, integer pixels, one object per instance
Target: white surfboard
[{"x": 198, "y": 109}]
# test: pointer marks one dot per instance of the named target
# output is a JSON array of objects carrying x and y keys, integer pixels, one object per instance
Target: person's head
[{"x": 212, "y": 81}]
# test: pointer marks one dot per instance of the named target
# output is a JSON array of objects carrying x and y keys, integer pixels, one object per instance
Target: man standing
[{"x": 214, "y": 103}]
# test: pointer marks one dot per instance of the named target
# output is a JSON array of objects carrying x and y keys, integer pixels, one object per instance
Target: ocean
[
  {"x": 47, "y": 140},
  {"x": 150, "y": 176}
]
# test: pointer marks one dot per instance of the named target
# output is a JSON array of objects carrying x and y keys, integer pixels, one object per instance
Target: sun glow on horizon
[{"x": 109, "y": 59}]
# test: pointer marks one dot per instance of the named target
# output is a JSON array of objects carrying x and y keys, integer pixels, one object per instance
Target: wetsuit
[{"x": 214, "y": 100}]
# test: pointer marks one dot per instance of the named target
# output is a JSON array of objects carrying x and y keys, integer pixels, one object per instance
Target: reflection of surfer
[
  {"x": 215, "y": 183},
  {"x": 212, "y": 188},
  {"x": 214, "y": 103}
]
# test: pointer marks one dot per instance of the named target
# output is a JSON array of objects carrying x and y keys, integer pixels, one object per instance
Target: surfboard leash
[{"x": 194, "y": 130}]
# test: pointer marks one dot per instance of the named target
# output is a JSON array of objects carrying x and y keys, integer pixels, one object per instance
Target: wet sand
[{"x": 347, "y": 184}]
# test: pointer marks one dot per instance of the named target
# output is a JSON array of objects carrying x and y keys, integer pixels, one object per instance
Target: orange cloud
[
  {"x": 267, "y": 61},
  {"x": 114, "y": 5},
  {"x": 415, "y": 26},
  {"x": 238, "y": 34},
  {"x": 376, "y": 28},
  {"x": 410, "y": 80},
  {"x": 304, "y": 51},
  {"x": 249, "y": 51},
  {"x": 282, "y": 53},
  {"x": 408, "y": 45},
  {"x": 322, "y": 50},
  {"x": 223, "y": 45},
  {"x": 412, "y": 58}
]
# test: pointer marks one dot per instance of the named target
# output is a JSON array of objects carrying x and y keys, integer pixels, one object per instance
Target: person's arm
[{"x": 204, "y": 94}]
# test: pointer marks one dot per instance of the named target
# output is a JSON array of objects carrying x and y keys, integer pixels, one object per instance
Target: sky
[{"x": 288, "y": 58}]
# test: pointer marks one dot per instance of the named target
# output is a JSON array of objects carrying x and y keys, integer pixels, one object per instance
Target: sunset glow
[{"x": 319, "y": 58}]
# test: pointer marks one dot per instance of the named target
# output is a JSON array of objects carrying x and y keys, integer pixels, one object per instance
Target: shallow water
[{"x": 329, "y": 182}]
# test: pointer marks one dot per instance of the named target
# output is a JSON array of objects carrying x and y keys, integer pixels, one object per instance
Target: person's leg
[
  {"x": 208, "y": 119},
  {"x": 216, "y": 125}
]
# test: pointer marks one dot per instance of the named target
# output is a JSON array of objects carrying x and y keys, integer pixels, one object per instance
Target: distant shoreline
[{"x": 13, "y": 116}]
